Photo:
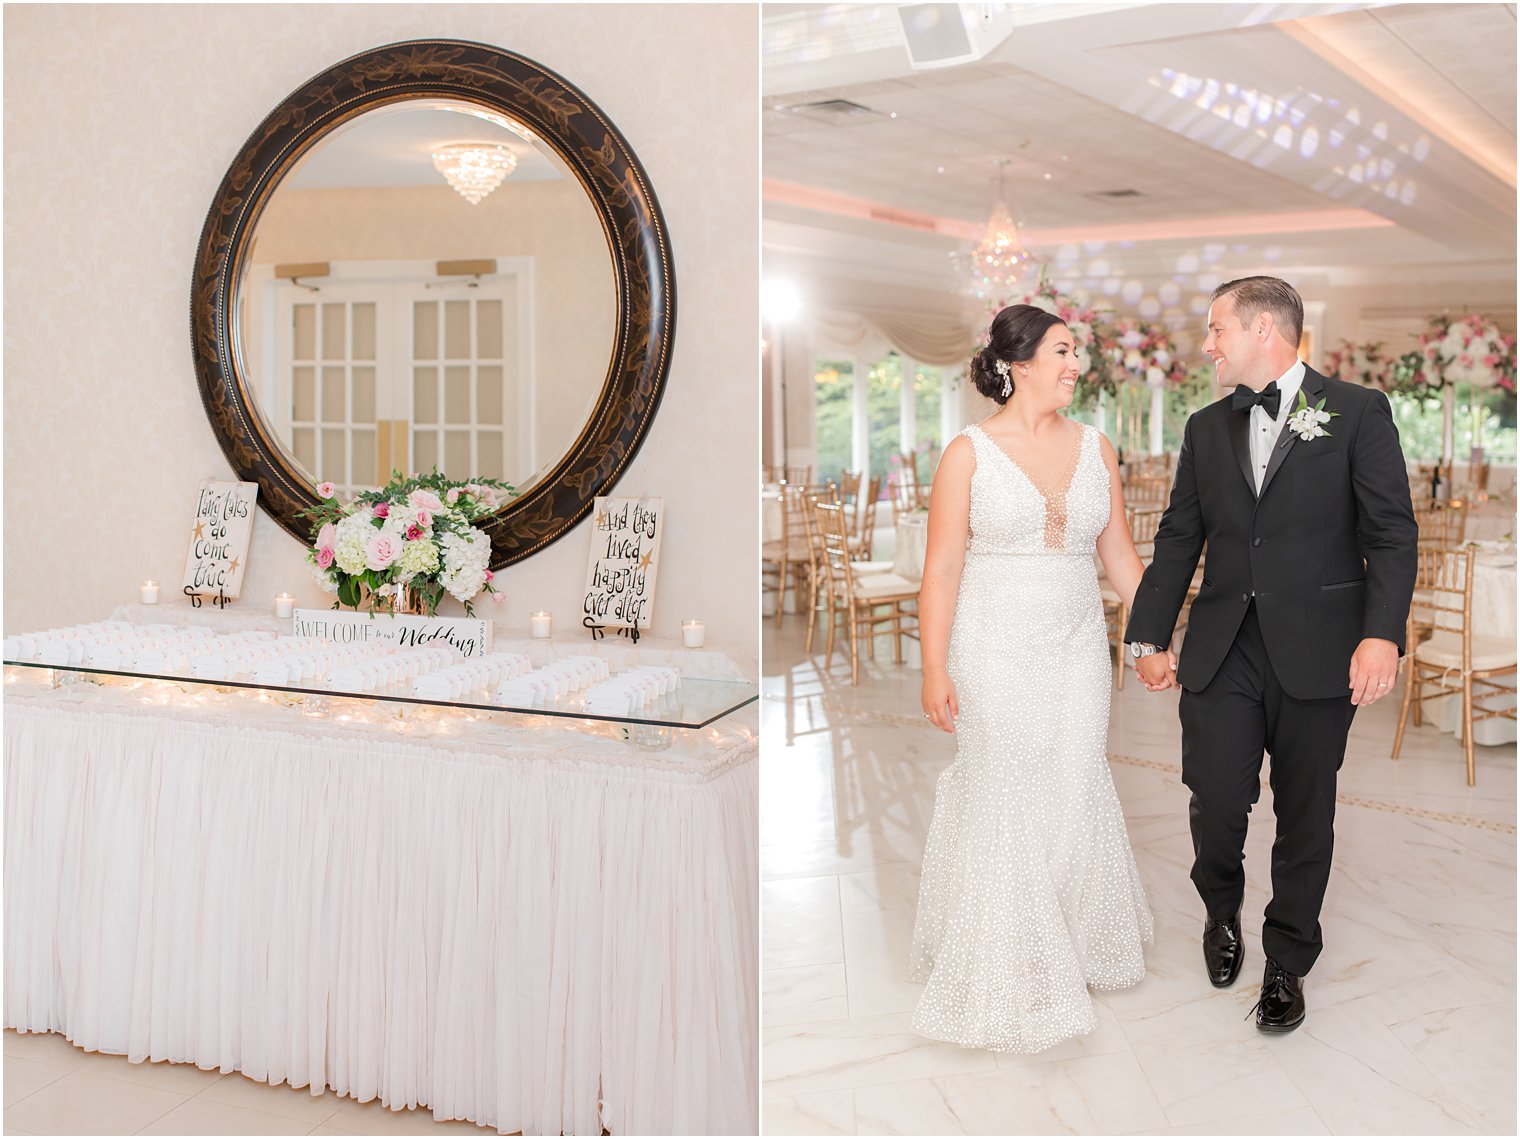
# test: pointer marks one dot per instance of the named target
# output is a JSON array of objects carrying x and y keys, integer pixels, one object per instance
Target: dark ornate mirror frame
[{"x": 620, "y": 193}]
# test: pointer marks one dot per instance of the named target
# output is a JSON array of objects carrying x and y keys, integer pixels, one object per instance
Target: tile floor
[
  {"x": 54, "y": 1088},
  {"x": 1411, "y": 1026}
]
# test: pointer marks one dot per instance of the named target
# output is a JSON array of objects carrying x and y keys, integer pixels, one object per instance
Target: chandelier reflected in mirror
[{"x": 474, "y": 169}]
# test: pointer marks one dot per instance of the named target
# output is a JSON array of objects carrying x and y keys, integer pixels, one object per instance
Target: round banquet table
[
  {"x": 519, "y": 921},
  {"x": 1488, "y": 522},
  {"x": 1493, "y": 608},
  {"x": 912, "y": 542}
]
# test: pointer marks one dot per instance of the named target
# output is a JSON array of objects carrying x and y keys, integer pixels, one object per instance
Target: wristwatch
[{"x": 1137, "y": 650}]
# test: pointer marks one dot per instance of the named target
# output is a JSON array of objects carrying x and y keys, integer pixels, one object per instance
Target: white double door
[{"x": 370, "y": 376}]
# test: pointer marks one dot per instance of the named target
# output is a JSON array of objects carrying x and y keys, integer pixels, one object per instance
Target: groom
[{"x": 1299, "y": 621}]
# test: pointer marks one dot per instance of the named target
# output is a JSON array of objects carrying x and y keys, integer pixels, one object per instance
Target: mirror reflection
[{"x": 430, "y": 285}]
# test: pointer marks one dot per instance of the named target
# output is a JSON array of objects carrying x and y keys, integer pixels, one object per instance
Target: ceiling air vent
[
  {"x": 834, "y": 111},
  {"x": 1114, "y": 194}
]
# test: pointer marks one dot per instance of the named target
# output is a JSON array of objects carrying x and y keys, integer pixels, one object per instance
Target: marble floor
[
  {"x": 1411, "y": 1026},
  {"x": 54, "y": 1088}
]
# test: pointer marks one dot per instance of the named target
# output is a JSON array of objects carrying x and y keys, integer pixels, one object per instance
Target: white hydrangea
[
  {"x": 354, "y": 533},
  {"x": 324, "y": 578},
  {"x": 417, "y": 557},
  {"x": 464, "y": 563}
]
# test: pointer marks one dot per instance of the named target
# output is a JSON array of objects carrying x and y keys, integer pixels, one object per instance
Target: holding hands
[{"x": 1158, "y": 671}]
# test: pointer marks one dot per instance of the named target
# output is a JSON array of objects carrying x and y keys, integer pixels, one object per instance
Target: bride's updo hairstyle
[{"x": 1015, "y": 334}]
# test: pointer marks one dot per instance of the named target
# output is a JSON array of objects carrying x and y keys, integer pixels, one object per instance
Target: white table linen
[
  {"x": 506, "y": 920},
  {"x": 911, "y": 544},
  {"x": 1493, "y": 613},
  {"x": 1489, "y": 521}
]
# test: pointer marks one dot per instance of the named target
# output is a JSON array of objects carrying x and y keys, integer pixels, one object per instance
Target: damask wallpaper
[{"x": 120, "y": 121}]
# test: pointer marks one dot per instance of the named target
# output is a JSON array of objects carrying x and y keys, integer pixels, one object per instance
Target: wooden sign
[
  {"x": 219, "y": 540},
  {"x": 620, "y": 574},
  {"x": 470, "y": 635}
]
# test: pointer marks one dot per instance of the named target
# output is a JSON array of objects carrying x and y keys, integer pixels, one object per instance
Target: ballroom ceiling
[{"x": 1148, "y": 150}]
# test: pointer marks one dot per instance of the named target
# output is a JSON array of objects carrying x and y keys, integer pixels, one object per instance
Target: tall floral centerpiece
[
  {"x": 401, "y": 547},
  {"x": 1467, "y": 349},
  {"x": 1139, "y": 352},
  {"x": 1367, "y": 364},
  {"x": 1087, "y": 326}
]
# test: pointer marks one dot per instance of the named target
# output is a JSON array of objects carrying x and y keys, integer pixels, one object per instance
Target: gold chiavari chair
[
  {"x": 1143, "y": 521},
  {"x": 865, "y": 520},
  {"x": 856, "y": 600},
  {"x": 784, "y": 562},
  {"x": 798, "y": 476},
  {"x": 1454, "y": 660},
  {"x": 1147, "y": 489}
]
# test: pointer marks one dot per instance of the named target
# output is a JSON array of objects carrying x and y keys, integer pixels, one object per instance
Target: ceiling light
[{"x": 474, "y": 169}]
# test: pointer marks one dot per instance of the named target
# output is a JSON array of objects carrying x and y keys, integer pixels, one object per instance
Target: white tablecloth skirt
[
  {"x": 912, "y": 545},
  {"x": 507, "y": 938},
  {"x": 1493, "y": 612}
]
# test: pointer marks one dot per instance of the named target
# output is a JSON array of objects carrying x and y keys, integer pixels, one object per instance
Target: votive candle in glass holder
[
  {"x": 149, "y": 592},
  {"x": 542, "y": 623},
  {"x": 284, "y": 605},
  {"x": 693, "y": 634}
]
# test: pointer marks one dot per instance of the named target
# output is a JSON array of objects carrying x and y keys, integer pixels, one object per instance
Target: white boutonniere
[{"x": 1308, "y": 422}]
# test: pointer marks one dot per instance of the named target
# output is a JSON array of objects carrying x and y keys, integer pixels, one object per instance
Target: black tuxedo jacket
[{"x": 1328, "y": 547}]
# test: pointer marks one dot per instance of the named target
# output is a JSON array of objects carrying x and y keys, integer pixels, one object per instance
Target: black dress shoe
[
  {"x": 1280, "y": 1008},
  {"x": 1223, "y": 951}
]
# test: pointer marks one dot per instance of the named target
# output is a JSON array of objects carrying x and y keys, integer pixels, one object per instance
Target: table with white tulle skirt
[{"x": 518, "y": 921}]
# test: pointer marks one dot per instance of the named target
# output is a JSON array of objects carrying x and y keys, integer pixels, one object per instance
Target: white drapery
[
  {"x": 870, "y": 334},
  {"x": 508, "y": 934}
]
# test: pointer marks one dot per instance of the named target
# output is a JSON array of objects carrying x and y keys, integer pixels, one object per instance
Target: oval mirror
[{"x": 435, "y": 254}]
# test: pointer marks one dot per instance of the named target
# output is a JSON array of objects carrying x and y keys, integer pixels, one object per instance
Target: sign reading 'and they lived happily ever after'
[
  {"x": 620, "y": 573},
  {"x": 218, "y": 552}
]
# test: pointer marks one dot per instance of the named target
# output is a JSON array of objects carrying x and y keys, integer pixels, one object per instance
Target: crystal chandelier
[
  {"x": 474, "y": 168},
  {"x": 996, "y": 265}
]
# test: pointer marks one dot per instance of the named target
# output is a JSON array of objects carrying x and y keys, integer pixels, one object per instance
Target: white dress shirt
[{"x": 1265, "y": 429}]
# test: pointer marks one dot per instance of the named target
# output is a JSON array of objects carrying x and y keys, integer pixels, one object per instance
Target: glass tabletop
[{"x": 693, "y": 703}]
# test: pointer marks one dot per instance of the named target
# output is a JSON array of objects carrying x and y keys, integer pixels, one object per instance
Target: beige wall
[
  {"x": 553, "y": 222},
  {"x": 120, "y": 122}
]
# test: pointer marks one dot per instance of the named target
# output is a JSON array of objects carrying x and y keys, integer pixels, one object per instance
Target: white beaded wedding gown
[{"x": 1029, "y": 893}]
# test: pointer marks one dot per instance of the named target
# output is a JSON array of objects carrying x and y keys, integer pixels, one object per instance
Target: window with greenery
[
  {"x": 834, "y": 409},
  {"x": 1419, "y": 419},
  {"x": 928, "y": 387},
  {"x": 884, "y": 415}
]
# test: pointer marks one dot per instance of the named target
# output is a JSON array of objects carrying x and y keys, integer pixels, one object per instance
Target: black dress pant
[{"x": 1225, "y": 729}]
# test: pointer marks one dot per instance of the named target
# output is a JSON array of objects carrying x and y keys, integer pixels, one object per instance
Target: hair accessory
[{"x": 1001, "y": 367}]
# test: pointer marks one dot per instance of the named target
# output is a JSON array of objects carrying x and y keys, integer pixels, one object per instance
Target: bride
[{"x": 1029, "y": 894}]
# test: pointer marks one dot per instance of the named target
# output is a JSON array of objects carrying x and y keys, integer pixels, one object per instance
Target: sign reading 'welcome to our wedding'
[
  {"x": 470, "y": 635},
  {"x": 219, "y": 541},
  {"x": 620, "y": 574}
]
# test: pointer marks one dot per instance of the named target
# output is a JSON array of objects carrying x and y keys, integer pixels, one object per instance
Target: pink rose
[
  {"x": 488, "y": 496},
  {"x": 453, "y": 495},
  {"x": 1490, "y": 361},
  {"x": 499, "y": 598},
  {"x": 380, "y": 552},
  {"x": 325, "y": 557},
  {"x": 426, "y": 499},
  {"x": 327, "y": 536},
  {"x": 413, "y": 532},
  {"x": 382, "y": 510},
  {"x": 424, "y": 519},
  {"x": 490, "y": 574},
  {"x": 326, "y": 490}
]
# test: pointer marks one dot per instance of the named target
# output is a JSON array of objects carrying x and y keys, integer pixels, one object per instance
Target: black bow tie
[{"x": 1269, "y": 398}]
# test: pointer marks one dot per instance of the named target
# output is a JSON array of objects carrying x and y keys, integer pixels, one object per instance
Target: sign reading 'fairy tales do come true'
[
  {"x": 219, "y": 541},
  {"x": 620, "y": 575}
]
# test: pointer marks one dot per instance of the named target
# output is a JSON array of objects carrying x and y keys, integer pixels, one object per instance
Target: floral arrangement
[
  {"x": 1144, "y": 351},
  {"x": 1366, "y": 364},
  {"x": 405, "y": 544},
  {"x": 1469, "y": 349},
  {"x": 1089, "y": 328}
]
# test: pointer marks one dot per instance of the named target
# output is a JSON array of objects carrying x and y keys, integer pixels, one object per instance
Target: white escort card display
[
  {"x": 545, "y": 685},
  {"x": 620, "y": 573},
  {"x": 218, "y": 552},
  {"x": 635, "y": 691},
  {"x": 470, "y": 636}
]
